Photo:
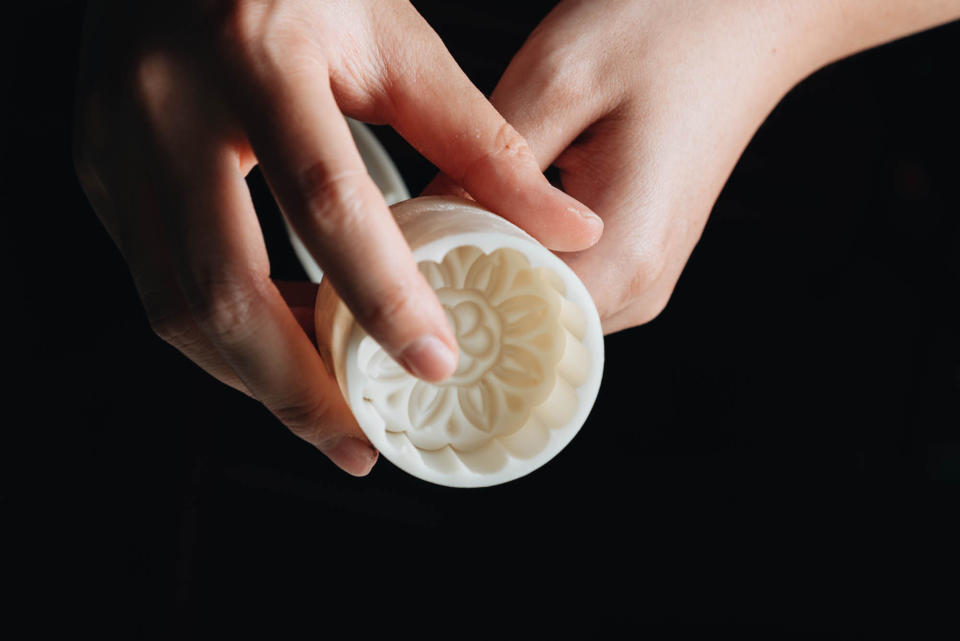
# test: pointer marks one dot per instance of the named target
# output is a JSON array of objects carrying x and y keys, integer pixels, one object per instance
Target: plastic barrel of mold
[{"x": 530, "y": 362}]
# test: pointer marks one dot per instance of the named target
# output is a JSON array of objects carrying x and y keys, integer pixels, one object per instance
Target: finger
[
  {"x": 307, "y": 154},
  {"x": 549, "y": 105},
  {"x": 619, "y": 158},
  {"x": 552, "y": 107},
  {"x": 444, "y": 185},
  {"x": 446, "y": 118},
  {"x": 223, "y": 267}
]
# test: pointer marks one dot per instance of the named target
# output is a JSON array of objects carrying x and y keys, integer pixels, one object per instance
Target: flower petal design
[
  {"x": 507, "y": 319},
  {"x": 527, "y": 314},
  {"x": 519, "y": 367},
  {"x": 482, "y": 404},
  {"x": 458, "y": 263},
  {"x": 428, "y": 404},
  {"x": 383, "y": 368},
  {"x": 466, "y": 318},
  {"x": 436, "y": 274}
]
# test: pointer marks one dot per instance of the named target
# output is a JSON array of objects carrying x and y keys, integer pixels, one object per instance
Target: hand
[
  {"x": 645, "y": 106},
  {"x": 177, "y": 101}
]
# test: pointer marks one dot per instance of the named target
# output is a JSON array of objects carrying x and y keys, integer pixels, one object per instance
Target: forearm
[{"x": 828, "y": 30}]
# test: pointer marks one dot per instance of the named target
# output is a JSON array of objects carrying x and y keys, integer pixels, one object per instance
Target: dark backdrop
[{"x": 795, "y": 405}]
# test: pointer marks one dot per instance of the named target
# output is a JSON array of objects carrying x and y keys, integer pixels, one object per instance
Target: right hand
[
  {"x": 177, "y": 101},
  {"x": 645, "y": 106}
]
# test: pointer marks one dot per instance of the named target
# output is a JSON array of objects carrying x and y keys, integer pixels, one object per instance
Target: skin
[
  {"x": 177, "y": 101},
  {"x": 643, "y": 105}
]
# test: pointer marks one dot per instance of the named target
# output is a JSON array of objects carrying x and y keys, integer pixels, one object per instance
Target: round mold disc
[{"x": 530, "y": 363}]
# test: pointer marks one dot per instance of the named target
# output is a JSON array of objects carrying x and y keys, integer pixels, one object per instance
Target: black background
[{"x": 789, "y": 420}]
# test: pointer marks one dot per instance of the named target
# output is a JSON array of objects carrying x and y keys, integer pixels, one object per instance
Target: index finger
[{"x": 308, "y": 156}]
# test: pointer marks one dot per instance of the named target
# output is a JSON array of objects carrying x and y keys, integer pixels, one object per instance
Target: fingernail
[
  {"x": 429, "y": 358},
  {"x": 352, "y": 455}
]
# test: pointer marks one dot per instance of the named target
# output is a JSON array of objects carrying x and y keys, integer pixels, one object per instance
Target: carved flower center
[{"x": 478, "y": 329}]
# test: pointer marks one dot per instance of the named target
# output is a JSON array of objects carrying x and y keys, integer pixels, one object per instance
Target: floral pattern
[{"x": 506, "y": 317}]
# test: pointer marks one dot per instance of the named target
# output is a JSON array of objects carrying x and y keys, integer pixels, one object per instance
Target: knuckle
[
  {"x": 558, "y": 71},
  {"x": 305, "y": 418},
  {"x": 169, "y": 324},
  {"x": 177, "y": 330},
  {"x": 264, "y": 37},
  {"x": 554, "y": 68},
  {"x": 226, "y": 306},
  {"x": 506, "y": 143},
  {"x": 333, "y": 202},
  {"x": 237, "y": 26},
  {"x": 173, "y": 323},
  {"x": 154, "y": 81},
  {"x": 562, "y": 83}
]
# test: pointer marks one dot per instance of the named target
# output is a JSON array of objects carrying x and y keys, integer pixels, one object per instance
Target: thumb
[{"x": 444, "y": 116}]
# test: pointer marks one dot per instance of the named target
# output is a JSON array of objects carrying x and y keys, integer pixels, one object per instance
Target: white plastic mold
[{"x": 530, "y": 363}]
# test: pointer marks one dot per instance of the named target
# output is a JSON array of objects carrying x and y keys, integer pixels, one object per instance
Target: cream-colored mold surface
[{"x": 530, "y": 362}]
